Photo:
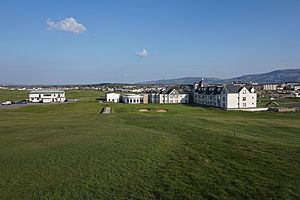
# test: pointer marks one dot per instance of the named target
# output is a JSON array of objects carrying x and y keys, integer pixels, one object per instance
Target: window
[
  {"x": 244, "y": 91},
  {"x": 244, "y": 98},
  {"x": 244, "y": 104},
  {"x": 223, "y": 98}
]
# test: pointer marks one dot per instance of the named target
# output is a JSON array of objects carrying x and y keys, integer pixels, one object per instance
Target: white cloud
[
  {"x": 68, "y": 24},
  {"x": 142, "y": 53}
]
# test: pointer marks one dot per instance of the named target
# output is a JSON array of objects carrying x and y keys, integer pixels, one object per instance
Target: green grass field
[
  {"x": 288, "y": 102},
  {"x": 83, "y": 95},
  {"x": 13, "y": 95},
  {"x": 70, "y": 151}
]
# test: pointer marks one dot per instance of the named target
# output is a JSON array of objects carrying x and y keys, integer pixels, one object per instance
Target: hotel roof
[{"x": 46, "y": 92}]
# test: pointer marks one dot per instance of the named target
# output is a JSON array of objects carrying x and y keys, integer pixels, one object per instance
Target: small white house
[
  {"x": 112, "y": 97},
  {"x": 47, "y": 96}
]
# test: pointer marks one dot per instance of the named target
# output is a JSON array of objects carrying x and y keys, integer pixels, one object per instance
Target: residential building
[
  {"x": 46, "y": 96},
  {"x": 270, "y": 86},
  {"x": 226, "y": 97},
  {"x": 169, "y": 96}
]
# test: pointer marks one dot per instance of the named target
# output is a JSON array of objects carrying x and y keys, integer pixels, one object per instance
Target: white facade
[
  {"x": 269, "y": 86},
  {"x": 243, "y": 99},
  {"x": 132, "y": 98},
  {"x": 173, "y": 96},
  {"x": 46, "y": 96},
  {"x": 169, "y": 96},
  {"x": 112, "y": 97},
  {"x": 227, "y": 97}
]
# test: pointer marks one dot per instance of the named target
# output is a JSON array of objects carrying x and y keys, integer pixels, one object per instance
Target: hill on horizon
[{"x": 285, "y": 75}]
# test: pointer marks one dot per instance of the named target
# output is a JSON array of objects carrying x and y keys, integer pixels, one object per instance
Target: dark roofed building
[{"x": 227, "y": 96}]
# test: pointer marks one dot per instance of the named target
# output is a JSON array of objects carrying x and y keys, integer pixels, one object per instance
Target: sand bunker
[
  {"x": 144, "y": 110},
  {"x": 162, "y": 110}
]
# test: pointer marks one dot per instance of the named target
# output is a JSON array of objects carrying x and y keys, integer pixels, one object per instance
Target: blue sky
[{"x": 139, "y": 40}]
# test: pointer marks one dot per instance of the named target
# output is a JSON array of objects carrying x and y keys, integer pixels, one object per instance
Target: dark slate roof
[
  {"x": 233, "y": 88},
  {"x": 215, "y": 90},
  {"x": 168, "y": 91},
  {"x": 211, "y": 90},
  {"x": 250, "y": 87}
]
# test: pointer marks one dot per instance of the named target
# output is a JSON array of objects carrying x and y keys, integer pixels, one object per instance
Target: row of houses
[
  {"x": 226, "y": 96},
  {"x": 166, "y": 96}
]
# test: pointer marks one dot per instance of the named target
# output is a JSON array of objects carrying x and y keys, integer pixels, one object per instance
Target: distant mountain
[
  {"x": 185, "y": 80},
  {"x": 286, "y": 75}
]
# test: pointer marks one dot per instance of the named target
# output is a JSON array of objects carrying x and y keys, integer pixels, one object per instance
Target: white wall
[
  {"x": 112, "y": 97},
  {"x": 232, "y": 100},
  {"x": 133, "y": 99},
  {"x": 250, "y": 101},
  {"x": 46, "y": 97}
]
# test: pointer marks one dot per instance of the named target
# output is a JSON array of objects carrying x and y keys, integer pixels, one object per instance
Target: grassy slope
[{"x": 70, "y": 151}]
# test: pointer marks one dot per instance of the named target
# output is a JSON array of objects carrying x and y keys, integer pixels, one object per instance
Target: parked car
[
  {"x": 6, "y": 103},
  {"x": 21, "y": 102}
]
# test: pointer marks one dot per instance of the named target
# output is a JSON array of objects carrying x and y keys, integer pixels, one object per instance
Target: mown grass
[
  {"x": 289, "y": 102},
  {"x": 84, "y": 95},
  {"x": 16, "y": 95},
  {"x": 70, "y": 151},
  {"x": 13, "y": 95}
]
